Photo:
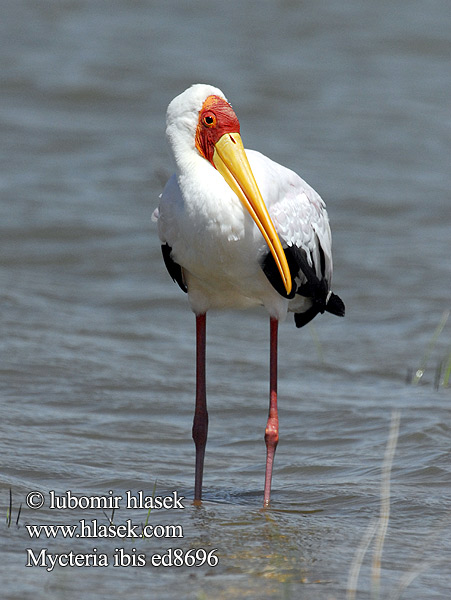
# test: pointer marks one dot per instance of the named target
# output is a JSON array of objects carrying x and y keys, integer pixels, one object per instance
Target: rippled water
[{"x": 97, "y": 344}]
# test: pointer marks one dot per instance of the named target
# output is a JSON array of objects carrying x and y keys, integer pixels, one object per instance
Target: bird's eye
[{"x": 209, "y": 120}]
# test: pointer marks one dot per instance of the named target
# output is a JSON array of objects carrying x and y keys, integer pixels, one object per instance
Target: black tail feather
[
  {"x": 303, "y": 318},
  {"x": 335, "y": 305}
]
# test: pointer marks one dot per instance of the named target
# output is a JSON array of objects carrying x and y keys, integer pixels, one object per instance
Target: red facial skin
[{"x": 216, "y": 117}]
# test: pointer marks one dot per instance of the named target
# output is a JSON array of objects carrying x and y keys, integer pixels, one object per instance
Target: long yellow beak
[{"x": 231, "y": 161}]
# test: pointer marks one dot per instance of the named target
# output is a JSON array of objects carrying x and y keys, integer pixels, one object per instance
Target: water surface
[{"x": 97, "y": 343}]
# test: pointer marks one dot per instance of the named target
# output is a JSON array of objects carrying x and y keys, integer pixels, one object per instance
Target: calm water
[{"x": 97, "y": 343}]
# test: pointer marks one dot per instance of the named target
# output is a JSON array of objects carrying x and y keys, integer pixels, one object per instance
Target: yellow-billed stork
[{"x": 239, "y": 230}]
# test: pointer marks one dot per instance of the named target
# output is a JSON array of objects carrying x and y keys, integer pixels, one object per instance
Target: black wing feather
[
  {"x": 174, "y": 269},
  {"x": 314, "y": 288}
]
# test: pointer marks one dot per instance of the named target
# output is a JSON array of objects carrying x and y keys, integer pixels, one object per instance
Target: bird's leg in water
[
  {"x": 272, "y": 426},
  {"x": 200, "y": 422}
]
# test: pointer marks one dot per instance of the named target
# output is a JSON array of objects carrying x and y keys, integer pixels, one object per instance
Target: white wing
[{"x": 298, "y": 212}]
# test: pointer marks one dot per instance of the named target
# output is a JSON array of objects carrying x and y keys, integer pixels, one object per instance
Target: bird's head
[
  {"x": 205, "y": 120},
  {"x": 216, "y": 119}
]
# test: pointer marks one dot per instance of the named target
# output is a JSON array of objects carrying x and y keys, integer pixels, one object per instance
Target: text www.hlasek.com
[{"x": 93, "y": 529}]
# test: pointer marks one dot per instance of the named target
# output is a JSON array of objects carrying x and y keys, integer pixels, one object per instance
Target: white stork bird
[{"x": 239, "y": 230}]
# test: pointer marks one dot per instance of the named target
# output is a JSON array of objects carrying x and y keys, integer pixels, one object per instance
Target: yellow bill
[{"x": 231, "y": 161}]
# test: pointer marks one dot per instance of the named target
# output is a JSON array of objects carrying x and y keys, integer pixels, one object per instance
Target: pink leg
[
  {"x": 272, "y": 426},
  {"x": 200, "y": 422}
]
